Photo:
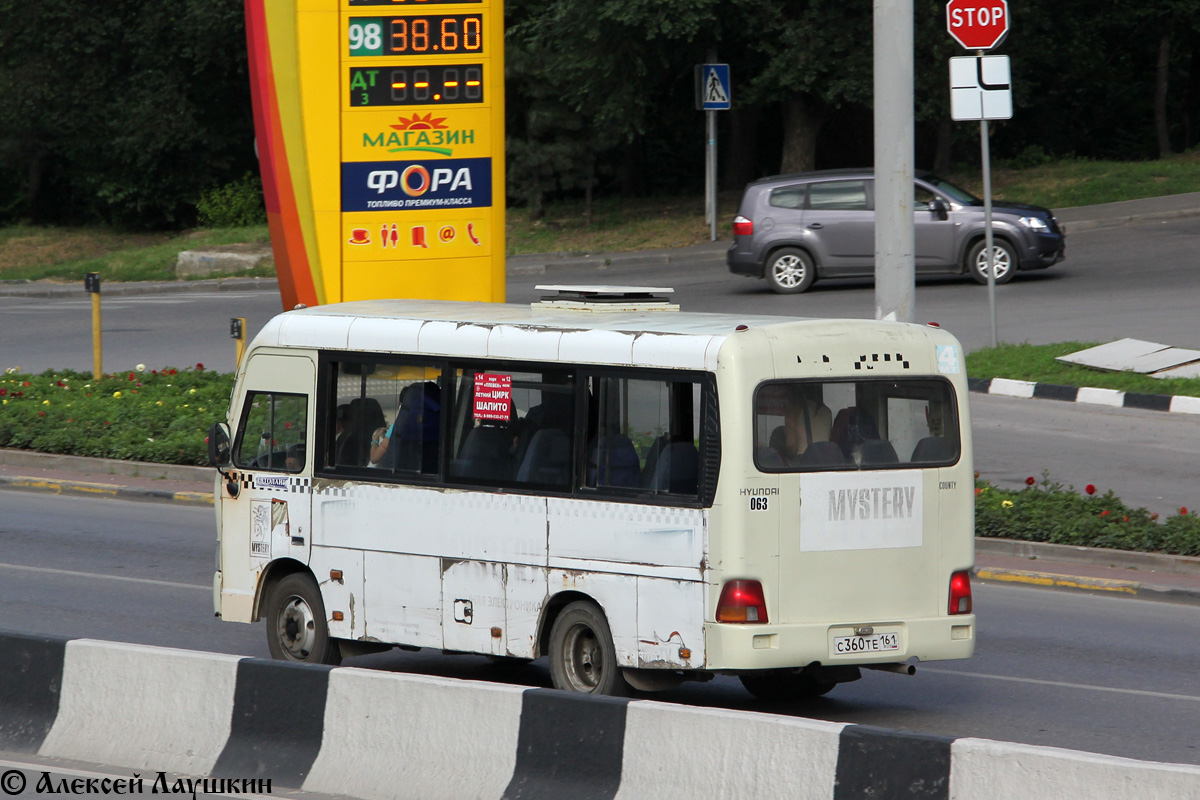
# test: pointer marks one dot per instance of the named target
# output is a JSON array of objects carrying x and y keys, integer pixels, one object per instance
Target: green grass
[
  {"x": 1064, "y": 184},
  {"x": 1029, "y": 362},
  {"x": 67, "y": 254}
]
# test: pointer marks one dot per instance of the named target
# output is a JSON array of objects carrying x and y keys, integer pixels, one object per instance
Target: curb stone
[{"x": 1006, "y": 387}]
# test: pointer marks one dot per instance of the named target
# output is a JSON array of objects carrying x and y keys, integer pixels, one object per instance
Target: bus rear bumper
[{"x": 730, "y": 647}]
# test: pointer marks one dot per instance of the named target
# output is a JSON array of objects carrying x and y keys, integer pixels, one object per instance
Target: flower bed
[
  {"x": 1045, "y": 511},
  {"x": 158, "y": 415}
]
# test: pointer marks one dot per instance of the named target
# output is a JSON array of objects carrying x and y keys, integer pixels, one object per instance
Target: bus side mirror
[
  {"x": 219, "y": 445},
  {"x": 938, "y": 206}
]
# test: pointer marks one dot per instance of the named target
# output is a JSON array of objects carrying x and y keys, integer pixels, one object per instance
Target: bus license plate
[{"x": 875, "y": 643}]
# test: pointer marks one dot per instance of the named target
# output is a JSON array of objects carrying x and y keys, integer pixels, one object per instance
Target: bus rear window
[{"x": 871, "y": 424}]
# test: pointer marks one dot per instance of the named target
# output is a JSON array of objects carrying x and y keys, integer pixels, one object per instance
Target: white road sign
[{"x": 980, "y": 88}]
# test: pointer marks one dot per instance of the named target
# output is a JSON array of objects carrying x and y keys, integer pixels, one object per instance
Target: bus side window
[
  {"x": 272, "y": 433},
  {"x": 643, "y": 435}
]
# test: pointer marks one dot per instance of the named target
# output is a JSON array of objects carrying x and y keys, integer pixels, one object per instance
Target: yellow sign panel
[
  {"x": 380, "y": 128},
  {"x": 404, "y": 134},
  {"x": 403, "y": 237}
]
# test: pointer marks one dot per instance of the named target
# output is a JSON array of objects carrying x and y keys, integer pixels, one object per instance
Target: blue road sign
[{"x": 715, "y": 94}]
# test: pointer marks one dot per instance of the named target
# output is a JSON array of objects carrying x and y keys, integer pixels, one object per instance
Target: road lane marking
[
  {"x": 1065, "y": 685},
  {"x": 72, "y": 574}
]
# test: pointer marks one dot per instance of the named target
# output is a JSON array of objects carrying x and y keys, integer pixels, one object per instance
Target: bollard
[
  {"x": 237, "y": 330},
  {"x": 91, "y": 284}
]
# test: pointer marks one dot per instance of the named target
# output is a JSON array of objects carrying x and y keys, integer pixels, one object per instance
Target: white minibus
[{"x": 643, "y": 495}]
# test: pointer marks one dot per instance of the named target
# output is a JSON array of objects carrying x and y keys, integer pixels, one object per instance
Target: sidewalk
[
  {"x": 1079, "y": 218},
  {"x": 1149, "y": 576}
]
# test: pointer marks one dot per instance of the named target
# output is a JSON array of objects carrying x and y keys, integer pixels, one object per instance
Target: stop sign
[{"x": 977, "y": 24}]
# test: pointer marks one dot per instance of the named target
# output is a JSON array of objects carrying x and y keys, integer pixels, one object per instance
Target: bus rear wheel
[
  {"x": 785, "y": 684},
  {"x": 297, "y": 629},
  {"x": 582, "y": 655}
]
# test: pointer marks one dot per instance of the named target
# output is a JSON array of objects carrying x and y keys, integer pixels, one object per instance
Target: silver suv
[{"x": 793, "y": 229}]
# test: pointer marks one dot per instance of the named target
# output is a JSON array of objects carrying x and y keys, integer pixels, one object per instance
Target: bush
[
  {"x": 1045, "y": 511},
  {"x": 234, "y": 205},
  {"x": 159, "y": 416}
]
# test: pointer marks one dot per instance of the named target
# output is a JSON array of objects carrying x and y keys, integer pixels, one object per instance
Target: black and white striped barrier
[
  {"x": 368, "y": 734},
  {"x": 1006, "y": 387}
]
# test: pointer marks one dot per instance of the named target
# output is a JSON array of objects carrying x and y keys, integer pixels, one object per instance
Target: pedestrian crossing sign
[{"x": 712, "y": 87}]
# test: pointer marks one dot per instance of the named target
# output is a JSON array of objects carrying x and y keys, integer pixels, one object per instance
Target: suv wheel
[
  {"x": 1004, "y": 259},
  {"x": 790, "y": 270}
]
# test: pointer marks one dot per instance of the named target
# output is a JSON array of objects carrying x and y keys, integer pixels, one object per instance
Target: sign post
[
  {"x": 712, "y": 95},
  {"x": 981, "y": 88}
]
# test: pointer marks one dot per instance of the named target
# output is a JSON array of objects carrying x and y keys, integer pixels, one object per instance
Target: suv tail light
[
  {"x": 742, "y": 226},
  {"x": 742, "y": 601},
  {"x": 960, "y": 593}
]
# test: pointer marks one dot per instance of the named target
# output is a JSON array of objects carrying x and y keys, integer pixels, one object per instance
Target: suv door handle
[{"x": 816, "y": 226}]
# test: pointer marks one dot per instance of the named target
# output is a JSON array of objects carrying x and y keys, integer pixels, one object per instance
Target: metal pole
[
  {"x": 97, "y": 360},
  {"x": 894, "y": 156},
  {"x": 712, "y": 172},
  {"x": 985, "y": 155}
]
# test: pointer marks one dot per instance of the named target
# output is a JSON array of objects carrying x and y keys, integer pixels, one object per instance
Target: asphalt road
[{"x": 1103, "y": 674}]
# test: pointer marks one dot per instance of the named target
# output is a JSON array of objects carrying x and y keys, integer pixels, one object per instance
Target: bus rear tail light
[
  {"x": 960, "y": 593},
  {"x": 742, "y": 601},
  {"x": 742, "y": 226}
]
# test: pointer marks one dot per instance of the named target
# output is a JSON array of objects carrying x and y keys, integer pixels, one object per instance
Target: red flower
[
  {"x": 3, "y": 392},
  {"x": 1183, "y": 511},
  {"x": 26, "y": 383},
  {"x": 977, "y": 491},
  {"x": 1124, "y": 519},
  {"x": 174, "y": 372},
  {"x": 131, "y": 376},
  {"x": 199, "y": 367},
  {"x": 60, "y": 383},
  {"x": 1090, "y": 489},
  {"x": 41, "y": 413},
  {"x": 1154, "y": 516},
  {"x": 1030, "y": 481},
  {"x": 1104, "y": 513},
  {"x": 287, "y": 426}
]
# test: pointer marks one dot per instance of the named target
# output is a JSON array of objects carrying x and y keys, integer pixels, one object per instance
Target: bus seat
[
  {"x": 485, "y": 454},
  {"x": 821, "y": 454},
  {"x": 877, "y": 452},
  {"x": 932, "y": 449},
  {"x": 548, "y": 459},
  {"x": 677, "y": 469},
  {"x": 613, "y": 461}
]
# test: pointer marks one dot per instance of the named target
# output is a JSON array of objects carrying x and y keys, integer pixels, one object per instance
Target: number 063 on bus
[{"x": 643, "y": 496}]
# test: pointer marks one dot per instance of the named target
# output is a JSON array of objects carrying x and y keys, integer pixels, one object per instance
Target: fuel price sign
[{"x": 380, "y": 130}]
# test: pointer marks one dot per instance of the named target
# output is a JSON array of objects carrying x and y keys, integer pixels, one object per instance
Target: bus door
[{"x": 272, "y": 458}]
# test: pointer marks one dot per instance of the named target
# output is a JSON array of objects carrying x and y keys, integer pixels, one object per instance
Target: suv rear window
[
  {"x": 838, "y": 196},
  {"x": 789, "y": 197}
]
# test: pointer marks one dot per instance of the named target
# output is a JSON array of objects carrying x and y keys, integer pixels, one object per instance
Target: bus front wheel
[
  {"x": 582, "y": 655},
  {"x": 296, "y": 626}
]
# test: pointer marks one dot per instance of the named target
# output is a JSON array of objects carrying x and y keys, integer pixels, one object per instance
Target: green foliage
[
  {"x": 233, "y": 205},
  {"x": 121, "y": 112},
  {"x": 159, "y": 416},
  {"x": 1045, "y": 511}
]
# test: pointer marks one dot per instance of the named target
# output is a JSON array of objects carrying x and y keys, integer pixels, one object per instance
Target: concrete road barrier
[{"x": 375, "y": 735}]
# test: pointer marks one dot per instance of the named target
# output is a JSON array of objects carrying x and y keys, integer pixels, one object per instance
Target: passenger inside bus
[
  {"x": 363, "y": 416},
  {"x": 411, "y": 441},
  {"x": 806, "y": 419}
]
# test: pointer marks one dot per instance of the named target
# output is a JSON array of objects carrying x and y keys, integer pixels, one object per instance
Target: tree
[{"x": 122, "y": 111}]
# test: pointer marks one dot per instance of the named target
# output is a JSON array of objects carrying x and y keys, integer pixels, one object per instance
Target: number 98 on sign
[{"x": 443, "y": 34}]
